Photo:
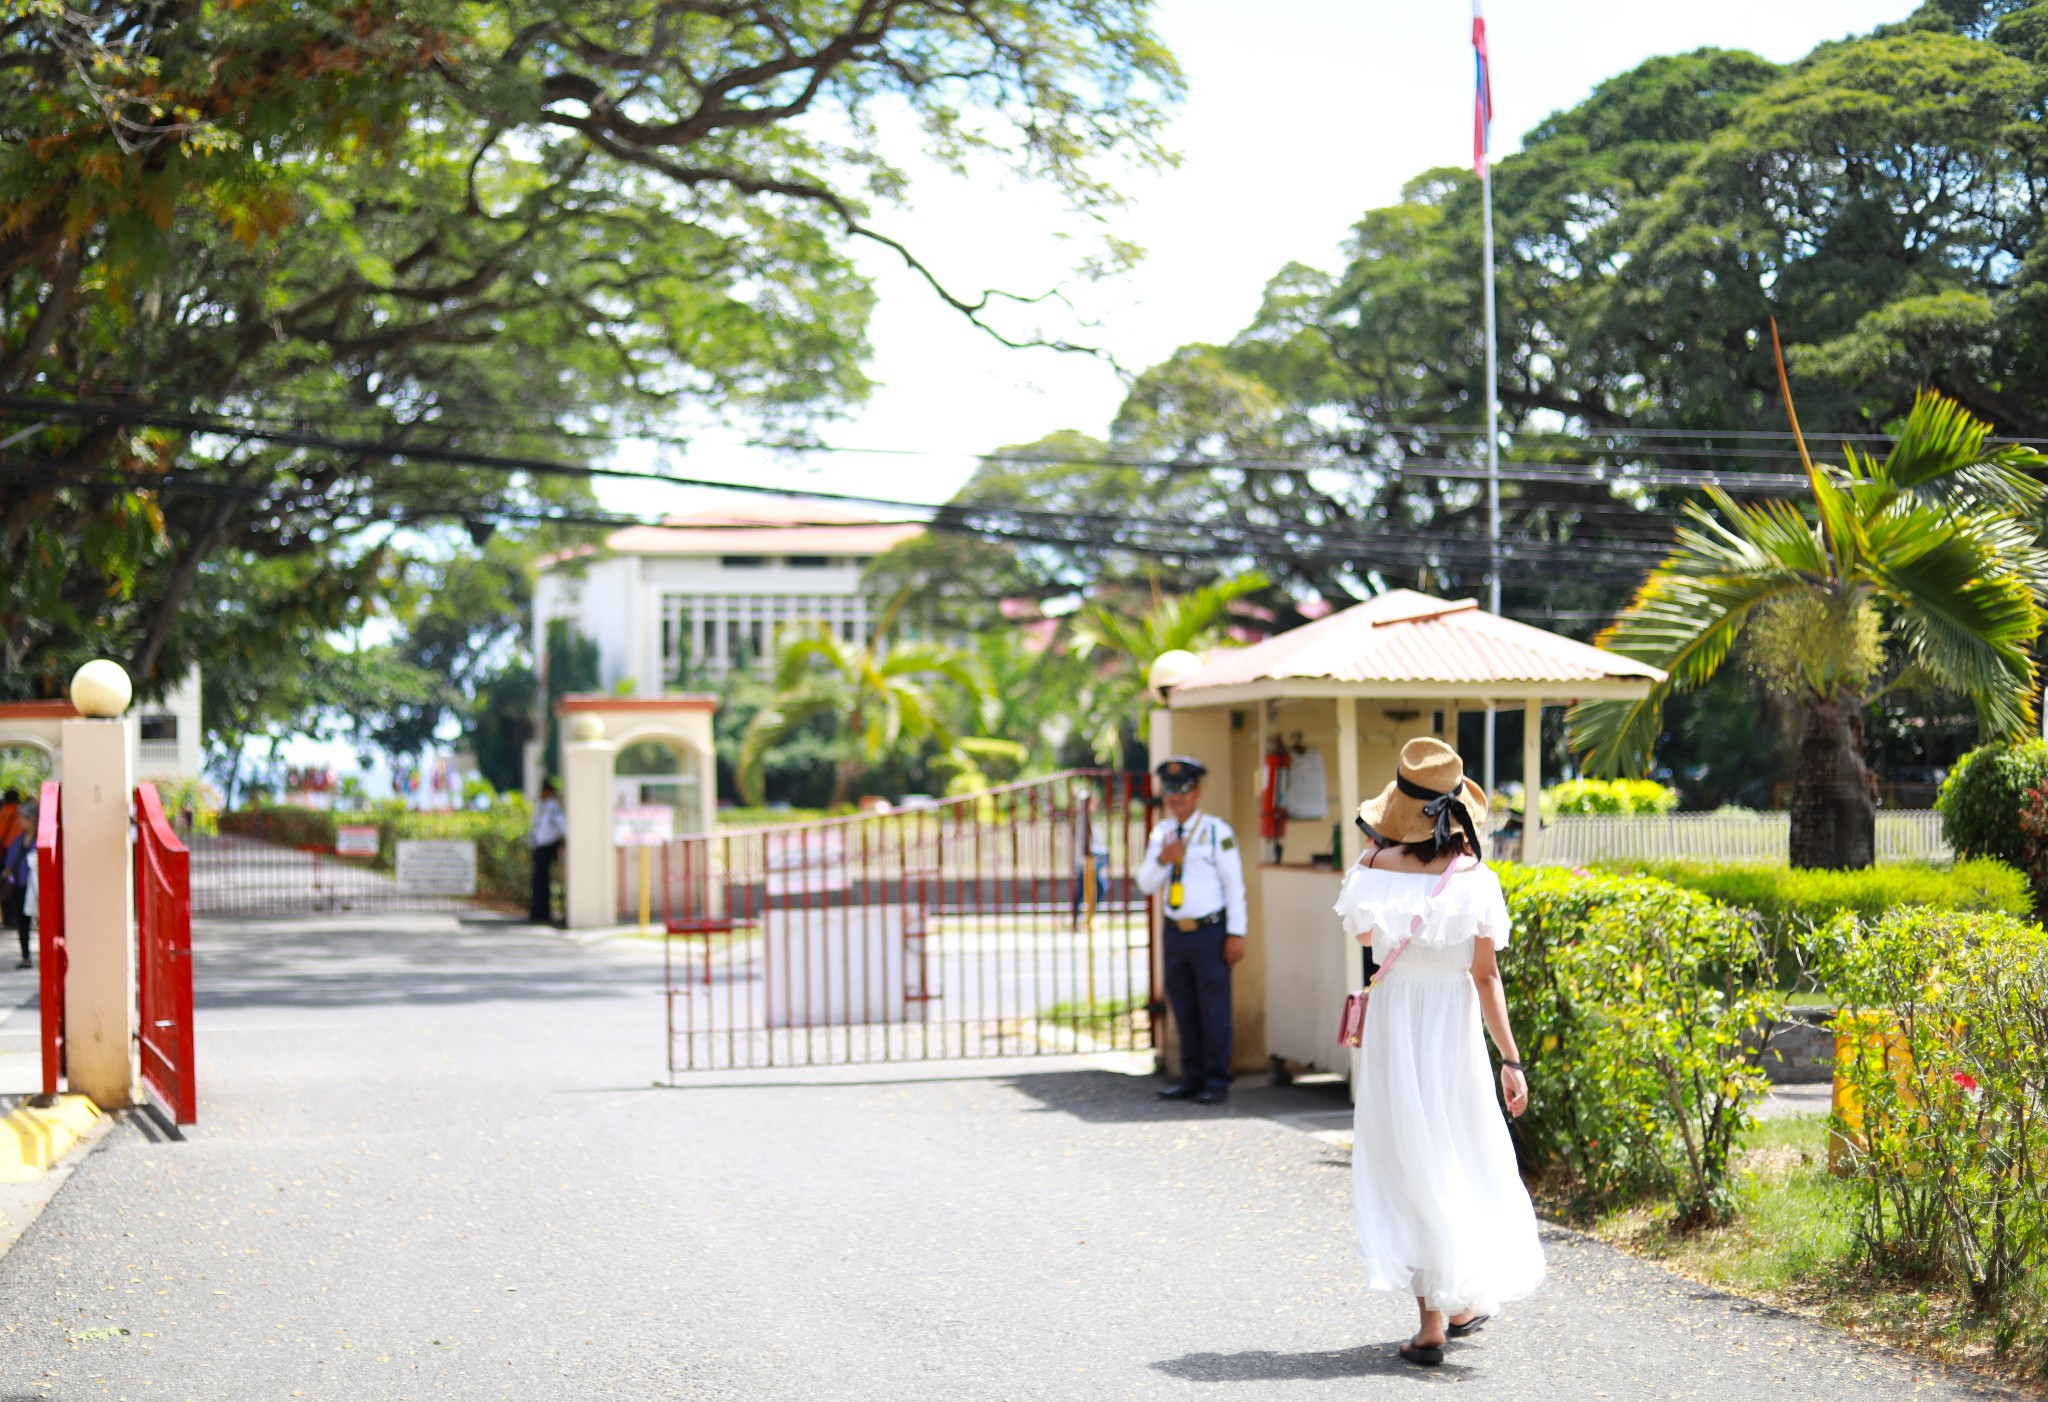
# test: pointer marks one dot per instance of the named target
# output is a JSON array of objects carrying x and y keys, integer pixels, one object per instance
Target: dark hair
[
  {"x": 11, "y": 796},
  {"x": 1428, "y": 849},
  {"x": 1425, "y": 851}
]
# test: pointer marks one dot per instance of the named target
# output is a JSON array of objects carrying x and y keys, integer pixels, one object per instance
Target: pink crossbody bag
[{"x": 1351, "y": 1024}]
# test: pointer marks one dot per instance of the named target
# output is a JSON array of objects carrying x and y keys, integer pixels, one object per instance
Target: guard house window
[
  {"x": 743, "y": 562},
  {"x": 809, "y": 562},
  {"x": 159, "y": 728}
]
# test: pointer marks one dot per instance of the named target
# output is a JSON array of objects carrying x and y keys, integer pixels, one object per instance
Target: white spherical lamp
[
  {"x": 1170, "y": 669},
  {"x": 101, "y": 689},
  {"x": 587, "y": 726}
]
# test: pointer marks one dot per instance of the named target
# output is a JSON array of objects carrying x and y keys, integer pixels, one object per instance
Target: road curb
[
  {"x": 34, "y": 1138},
  {"x": 21, "y": 1202}
]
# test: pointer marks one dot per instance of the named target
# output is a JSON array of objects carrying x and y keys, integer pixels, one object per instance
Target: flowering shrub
[
  {"x": 1633, "y": 1002},
  {"x": 1576, "y": 797},
  {"x": 1951, "y": 1072}
]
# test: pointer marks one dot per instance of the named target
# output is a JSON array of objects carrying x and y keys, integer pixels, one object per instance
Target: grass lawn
[{"x": 1793, "y": 1244}]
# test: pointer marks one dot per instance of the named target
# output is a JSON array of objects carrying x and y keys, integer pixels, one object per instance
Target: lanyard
[{"x": 1174, "y": 890}]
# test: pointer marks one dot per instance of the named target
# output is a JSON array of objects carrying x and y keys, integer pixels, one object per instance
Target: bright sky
[{"x": 1300, "y": 115}]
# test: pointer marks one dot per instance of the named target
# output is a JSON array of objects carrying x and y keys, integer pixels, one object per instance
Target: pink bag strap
[
  {"x": 1392, "y": 955},
  {"x": 1449, "y": 872}
]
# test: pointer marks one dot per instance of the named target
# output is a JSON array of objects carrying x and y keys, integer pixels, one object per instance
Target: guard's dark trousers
[
  {"x": 1198, "y": 987},
  {"x": 540, "y": 909}
]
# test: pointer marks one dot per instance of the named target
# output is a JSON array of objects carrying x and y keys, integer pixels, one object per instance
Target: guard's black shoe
[
  {"x": 1212, "y": 1095},
  {"x": 1181, "y": 1093}
]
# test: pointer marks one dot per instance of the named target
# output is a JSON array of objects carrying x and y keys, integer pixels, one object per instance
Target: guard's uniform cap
[{"x": 1179, "y": 773}]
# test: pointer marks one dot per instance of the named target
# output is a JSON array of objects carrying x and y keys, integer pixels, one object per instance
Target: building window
[
  {"x": 809, "y": 562},
  {"x": 743, "y": 562},
  {"x": 159, "y": 728}
]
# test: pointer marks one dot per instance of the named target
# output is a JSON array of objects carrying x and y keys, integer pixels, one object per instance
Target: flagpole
[{"x": 1492, "y": 425}]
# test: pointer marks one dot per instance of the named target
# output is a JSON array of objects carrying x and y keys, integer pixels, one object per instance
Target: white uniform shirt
[
  {"x": 1211, "y": 872},
  {"x": 549, "y": 823}
]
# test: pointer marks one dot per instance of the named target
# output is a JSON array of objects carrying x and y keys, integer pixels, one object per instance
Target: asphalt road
[{"x": 432, "y": 1164}]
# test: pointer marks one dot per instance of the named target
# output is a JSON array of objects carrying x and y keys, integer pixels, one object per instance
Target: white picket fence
[{"x": 1903, "y": 835}]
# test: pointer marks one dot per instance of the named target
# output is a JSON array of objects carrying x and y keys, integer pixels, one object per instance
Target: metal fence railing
[
  {"x": 1006, "y": 923},
  {"x": 1903, "y": 835},
  {"x": 287, "y": 861}
]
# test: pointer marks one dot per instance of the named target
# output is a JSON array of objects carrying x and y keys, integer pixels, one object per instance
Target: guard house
[{"x": 1341, "y": 696}]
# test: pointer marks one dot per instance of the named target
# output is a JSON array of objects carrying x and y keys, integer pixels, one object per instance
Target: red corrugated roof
[{"x": 1405, "y": 636}]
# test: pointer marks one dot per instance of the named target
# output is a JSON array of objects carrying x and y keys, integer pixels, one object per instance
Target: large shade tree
[
  {"x": 1881, "y": 196},
  {"x": 250, "y": 248},
  {"x": 1924, "y": 562}
]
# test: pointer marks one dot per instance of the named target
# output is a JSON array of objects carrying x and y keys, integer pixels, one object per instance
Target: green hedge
[
  {"x": 1577, "y": 797},
  {"x": 1952, "y": 1163},
  {"x": 1793, "y": 900},
  {"x": 1634, "y": 1002},
  {"x": 1980, "y": 799}
]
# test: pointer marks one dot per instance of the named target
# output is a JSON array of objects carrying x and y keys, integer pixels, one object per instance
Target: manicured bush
[
  {"x": 1793, "y": 901},
  {"x": 1578, "y": 797},
  {"x": 1953, "y": 1155},
  {"x": 1633, "y": 1002},
  {"x": 1980, "y": 800}
]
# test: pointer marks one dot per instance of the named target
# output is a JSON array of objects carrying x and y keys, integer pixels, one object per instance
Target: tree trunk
[
  {"x": 1834, "y": 794},
  {"x": 846, "y": 777}
]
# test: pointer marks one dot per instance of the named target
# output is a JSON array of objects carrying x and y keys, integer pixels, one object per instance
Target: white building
[
  {"x": 165, "y": 734},
  {"x": 673, "y": 606}
]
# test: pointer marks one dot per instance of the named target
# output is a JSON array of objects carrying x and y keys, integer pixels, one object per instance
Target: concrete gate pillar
[
  {"x": 587, "y": 868},
  {"x": 99, "y": 893}
]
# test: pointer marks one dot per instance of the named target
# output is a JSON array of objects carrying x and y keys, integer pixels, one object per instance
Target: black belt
[{"x": 1188, "y": 927}]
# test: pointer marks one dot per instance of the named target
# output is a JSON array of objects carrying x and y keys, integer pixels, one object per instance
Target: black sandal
[
  {"x": 1420, "y": 1355},
  {"x": 1470, "y": 1326}
]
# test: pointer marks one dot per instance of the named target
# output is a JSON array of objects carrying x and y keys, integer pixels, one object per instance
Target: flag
[{"x": 1482, "y": 99}]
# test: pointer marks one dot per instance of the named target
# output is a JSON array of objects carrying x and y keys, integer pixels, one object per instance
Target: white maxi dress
[{"x": 1442, "y": 1213}]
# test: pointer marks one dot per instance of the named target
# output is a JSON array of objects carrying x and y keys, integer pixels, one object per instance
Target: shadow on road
[
  {"x": 1263, "y": 1365},
  {"x": 1104, "y": 1097},
  {"x": 319, "y": 964}
]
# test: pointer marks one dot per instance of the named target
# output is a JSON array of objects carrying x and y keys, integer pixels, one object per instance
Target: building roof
[
  {"x": 765, "y": 528},
  {"x": 1407, "y": 640}
]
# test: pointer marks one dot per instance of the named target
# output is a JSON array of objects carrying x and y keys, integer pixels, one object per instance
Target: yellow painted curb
[{"x": 33, "y": 1138}]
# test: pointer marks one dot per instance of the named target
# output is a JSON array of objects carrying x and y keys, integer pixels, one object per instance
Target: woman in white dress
[{"x": 1442, "y": 1213}]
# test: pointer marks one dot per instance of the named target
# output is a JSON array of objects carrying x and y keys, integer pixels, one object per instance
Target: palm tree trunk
[
  {"x": 846, "y": 777},
  {"x": 1834, "y": 794}
]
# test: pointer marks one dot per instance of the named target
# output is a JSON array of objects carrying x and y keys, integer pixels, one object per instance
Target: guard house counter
[{"x": 1352, "y": 688}]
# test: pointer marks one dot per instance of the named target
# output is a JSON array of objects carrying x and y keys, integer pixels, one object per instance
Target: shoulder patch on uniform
[{"x": 1228, "y": 843}]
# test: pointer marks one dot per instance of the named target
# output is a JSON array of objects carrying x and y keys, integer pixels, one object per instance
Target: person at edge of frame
[
  {"x": 550, "y": 826},
  {"x": 1193, "y": 856}
]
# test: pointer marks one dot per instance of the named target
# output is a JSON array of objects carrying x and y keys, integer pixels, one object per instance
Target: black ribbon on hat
[{"x": 1441, "y": 808}]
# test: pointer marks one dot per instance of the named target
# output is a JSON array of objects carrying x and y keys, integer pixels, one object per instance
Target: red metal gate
[
  {"x": 1006, "y": 923},
  {"x": 50, "y": 932},
  {"x": 163, "y": 922}
]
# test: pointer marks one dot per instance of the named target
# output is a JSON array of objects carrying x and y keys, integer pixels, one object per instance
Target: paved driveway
[{"x": 433, "y": 1164}]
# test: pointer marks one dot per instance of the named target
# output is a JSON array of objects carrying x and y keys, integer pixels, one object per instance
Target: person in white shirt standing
[
  {"x": 1195, "y": 858},
  {"x": 550, "y": 826}
]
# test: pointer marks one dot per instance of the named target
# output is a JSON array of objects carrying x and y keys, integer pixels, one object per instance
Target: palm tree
[
  {"x": 1188, "y": 621},
  {"x": 1924, "y": 562},
  {"x": 880, "y": 695}
]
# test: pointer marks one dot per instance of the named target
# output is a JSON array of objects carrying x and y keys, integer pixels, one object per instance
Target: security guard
[{"x": 1194, "y": 857}]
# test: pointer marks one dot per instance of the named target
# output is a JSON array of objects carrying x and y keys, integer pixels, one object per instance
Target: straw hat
[{"x": 1429, "y": 798}]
